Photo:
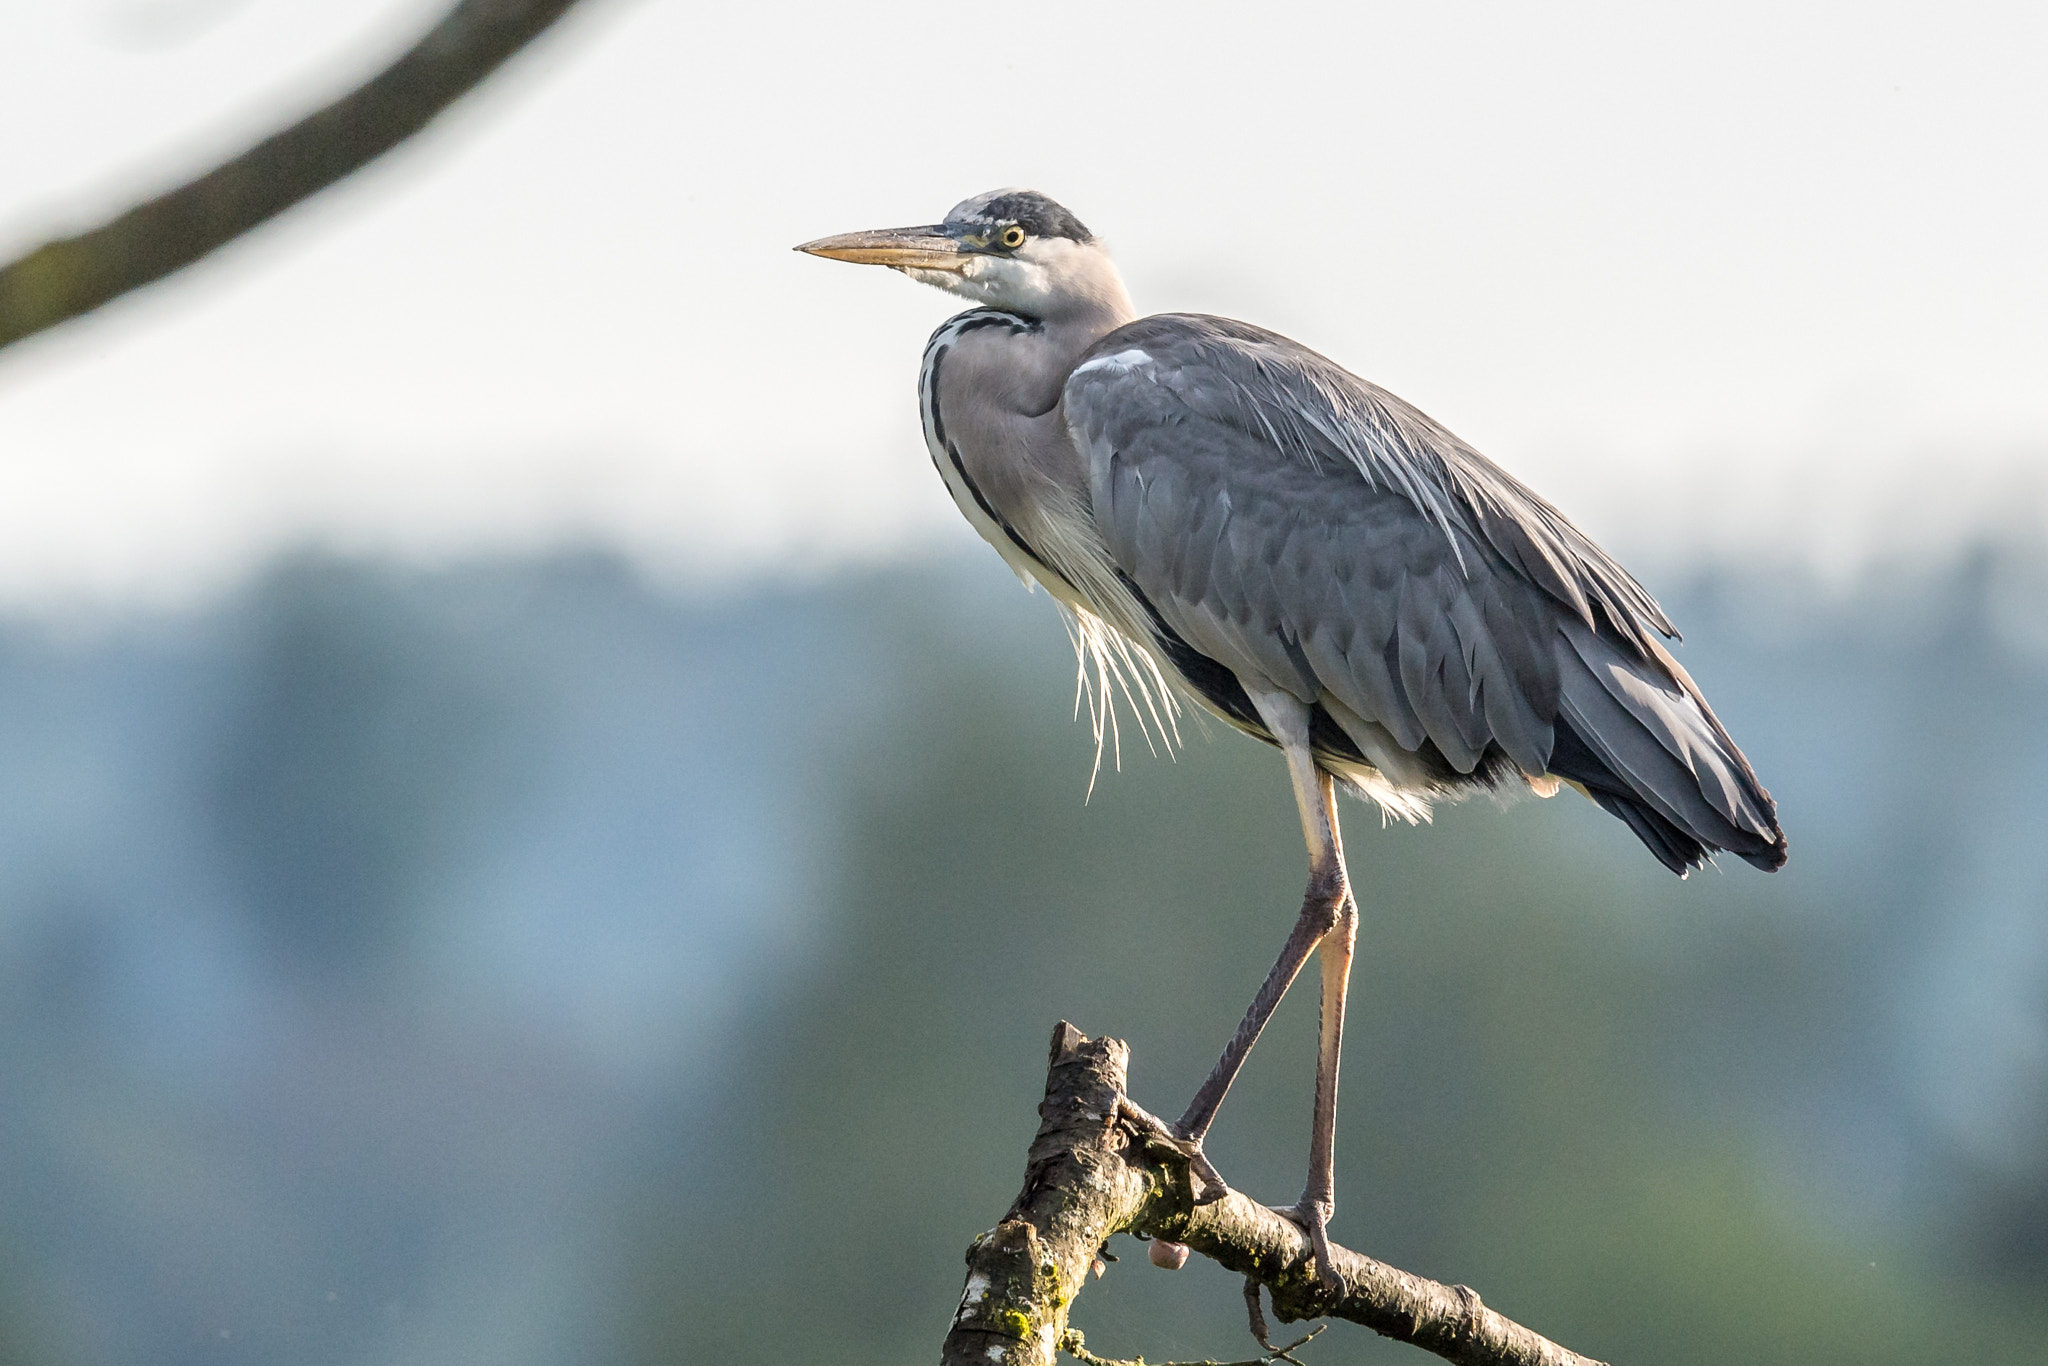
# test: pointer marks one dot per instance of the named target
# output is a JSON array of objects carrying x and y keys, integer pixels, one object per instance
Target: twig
[
  {"x": 1075, "y": 1346},
  {"x": 72, "y": 276},
  {"x": 1100, "y": 1165}
]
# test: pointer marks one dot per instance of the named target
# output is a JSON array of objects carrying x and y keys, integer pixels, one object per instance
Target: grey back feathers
[{"x": 1286, "y": 518}]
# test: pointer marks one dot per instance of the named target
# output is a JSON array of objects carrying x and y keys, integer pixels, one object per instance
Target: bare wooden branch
[
  {"x": 1100, "y": 1166},
  {"x": 75, "y": 275}
]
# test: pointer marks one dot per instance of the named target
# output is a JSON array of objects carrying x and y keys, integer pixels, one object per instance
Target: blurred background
[{"x": 530, "y": 831}]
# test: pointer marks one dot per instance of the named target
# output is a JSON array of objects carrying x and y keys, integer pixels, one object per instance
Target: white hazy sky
[{"x": 1728, "y": 278}]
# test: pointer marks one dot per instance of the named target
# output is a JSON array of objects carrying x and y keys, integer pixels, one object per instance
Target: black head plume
[{"x": 1028, "y": 209}]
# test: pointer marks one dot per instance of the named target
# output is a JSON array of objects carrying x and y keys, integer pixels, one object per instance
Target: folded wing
[{"x": 1291, "y": 525}]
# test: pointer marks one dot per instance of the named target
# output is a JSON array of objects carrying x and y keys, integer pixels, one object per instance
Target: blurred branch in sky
[{"x": 66, "y": 278}]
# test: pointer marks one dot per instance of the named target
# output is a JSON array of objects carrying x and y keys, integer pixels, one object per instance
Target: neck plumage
[{"x": 1061, "y": 333}]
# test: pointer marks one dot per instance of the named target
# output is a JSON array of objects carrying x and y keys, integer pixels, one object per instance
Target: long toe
[
  {"x": 1314, "y": 1218},
  {"x": 1326, "y": 1266},
  {"x": 1208, "y": 1182}
]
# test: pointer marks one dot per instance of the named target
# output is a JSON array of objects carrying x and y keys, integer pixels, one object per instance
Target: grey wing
[{"x": 1292, "y": 526}]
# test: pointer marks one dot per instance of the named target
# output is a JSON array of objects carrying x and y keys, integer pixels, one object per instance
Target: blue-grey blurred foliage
[{"x": 518, "y": 964}]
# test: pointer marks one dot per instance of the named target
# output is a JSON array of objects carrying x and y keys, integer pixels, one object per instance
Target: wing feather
[
  {"x": 1309, "y": 531},
  {"x": 1432, "y": 672}
]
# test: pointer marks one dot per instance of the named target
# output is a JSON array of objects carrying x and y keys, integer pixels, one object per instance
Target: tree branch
[
  {"x": 74, "y": 275},
  {"x": 1101, "y": 1166}
]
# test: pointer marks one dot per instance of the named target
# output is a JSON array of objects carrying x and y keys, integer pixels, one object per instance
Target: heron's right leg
[{"x": 1322, "y": 906}]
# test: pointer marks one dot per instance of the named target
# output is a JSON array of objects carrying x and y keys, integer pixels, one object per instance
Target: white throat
[{"x": 1052, "y": 278}]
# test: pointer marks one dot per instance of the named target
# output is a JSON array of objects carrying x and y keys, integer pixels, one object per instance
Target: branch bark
[
  {"x": 1101, "y": 1166},
  {"x": 74, "y": 275}
]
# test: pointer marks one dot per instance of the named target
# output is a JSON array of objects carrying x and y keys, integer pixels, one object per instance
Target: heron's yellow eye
[{"x": 1012, "y": 237}]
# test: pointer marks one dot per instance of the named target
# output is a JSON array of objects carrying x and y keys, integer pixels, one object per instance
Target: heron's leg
[
  {"x": 1319, "y": 914},
  {"x": 1322, "y": 906},
  {"x": 1319, "y": 1197}
]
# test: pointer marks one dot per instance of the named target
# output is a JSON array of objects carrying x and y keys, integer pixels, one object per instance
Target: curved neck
[
  {"x": 1039, "y": 360},
  {"x": 1086, "y": 293},
  {"x": 1090, "y": 303}
]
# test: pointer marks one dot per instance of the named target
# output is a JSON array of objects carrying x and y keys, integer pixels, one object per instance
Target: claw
[
  {"x": 1326, "y": 1268},
  {"x": 1209, "y": 1183},
  {"x": 1313, "y": 1219}
]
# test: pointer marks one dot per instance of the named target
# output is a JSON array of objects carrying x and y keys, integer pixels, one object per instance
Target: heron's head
[{"x": 1010, "y": 249}]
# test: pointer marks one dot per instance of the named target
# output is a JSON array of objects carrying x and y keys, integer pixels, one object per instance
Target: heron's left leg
[{"x": 1319, "y": 1197}]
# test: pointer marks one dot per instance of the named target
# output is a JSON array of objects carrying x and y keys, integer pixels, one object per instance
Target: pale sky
[{"x": 1728, "y": 279}]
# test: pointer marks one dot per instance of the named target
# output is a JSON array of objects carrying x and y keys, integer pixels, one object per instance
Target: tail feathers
[
  {"x": 1575, "y": 763},
  {"x": 1647, "y": 749}
]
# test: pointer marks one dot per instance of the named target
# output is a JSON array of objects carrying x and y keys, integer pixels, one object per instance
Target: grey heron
[{"x": 1233, "y": 518}]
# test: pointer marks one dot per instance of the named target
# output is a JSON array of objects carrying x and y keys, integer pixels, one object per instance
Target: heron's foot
[
  {"x": 1313, "y": 1217},
  {"x": 1208, "y": 1182}
]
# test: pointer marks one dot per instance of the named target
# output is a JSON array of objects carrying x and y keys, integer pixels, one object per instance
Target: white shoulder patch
[{"x": 1122, "y": 360}]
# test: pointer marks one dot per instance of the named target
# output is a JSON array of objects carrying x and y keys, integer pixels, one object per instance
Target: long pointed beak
[{"x": 901, "y": 248}]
